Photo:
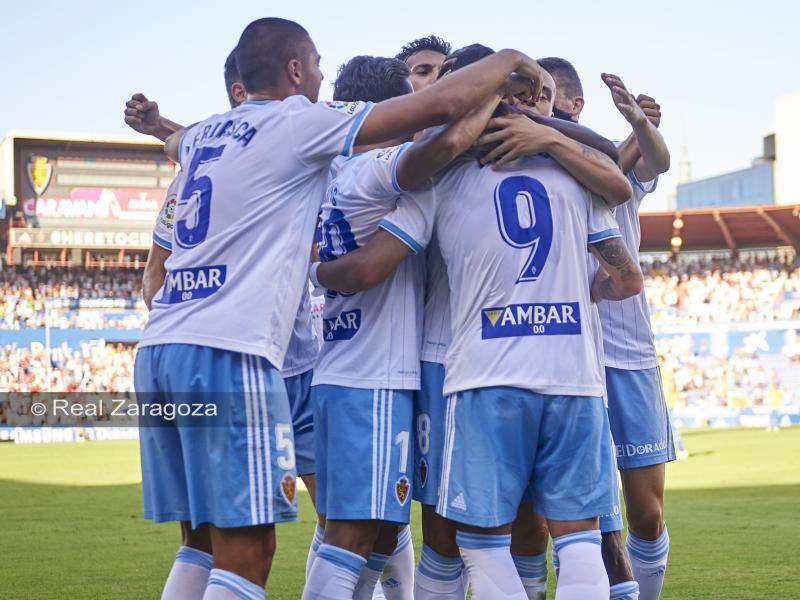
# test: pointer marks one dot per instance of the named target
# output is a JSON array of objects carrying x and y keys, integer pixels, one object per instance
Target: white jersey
[
  {"x": 165, "y": 222},
  {"x": 303, "y": 345},
  {"x": 515, "y": 241},
  {"x": 371, "y": 339},
  {"x": 436, "y": 331},
  {"x": 627, "y": 335},
  {"x": 244, "y": 223}
]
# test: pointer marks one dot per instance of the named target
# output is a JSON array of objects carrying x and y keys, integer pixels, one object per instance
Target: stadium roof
[{"x": 720, "y": 228}]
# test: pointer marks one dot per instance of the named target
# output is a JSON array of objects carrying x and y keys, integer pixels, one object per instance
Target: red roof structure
[{"x": 734, "y": 228}]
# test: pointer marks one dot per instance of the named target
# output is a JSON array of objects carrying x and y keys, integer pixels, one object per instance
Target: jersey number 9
[{"x": 525, "y": 221}]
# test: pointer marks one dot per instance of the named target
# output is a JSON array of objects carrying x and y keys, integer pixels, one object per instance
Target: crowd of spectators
[
  {"x": 723, "y": 290},
  {"x": 685, "y": 292},
  {"x": 64, "y": 298}
]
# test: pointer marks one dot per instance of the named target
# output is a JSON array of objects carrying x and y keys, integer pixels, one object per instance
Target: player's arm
[
  {"x": 363, "y": 268},
  {"x": 620, "y": 277},
  {"x": 448, "y": 99},
  {"x": 516, "y": 135},
  {"x": 142, "y": 115},
  {"x": 643, "y": 114},
  {"x": 154, "y": 273},
  {"x": 435, "y": 150}
]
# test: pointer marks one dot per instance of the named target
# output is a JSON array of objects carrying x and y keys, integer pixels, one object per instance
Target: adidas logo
[{"x": 458, "y": 502}]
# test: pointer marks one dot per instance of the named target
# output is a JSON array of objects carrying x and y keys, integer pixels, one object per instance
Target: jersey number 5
[
  {"x": 193, "y": 211},
  {"x": 525, "y": 221}
]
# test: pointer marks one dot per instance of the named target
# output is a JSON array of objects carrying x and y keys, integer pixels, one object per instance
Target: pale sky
[{"x": 715, "y": 67}]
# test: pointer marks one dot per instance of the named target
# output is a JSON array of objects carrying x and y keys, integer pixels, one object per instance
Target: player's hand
[
  {"x": 513, "y": 136},
  {"x": 142, "y": 114},
  {"x": 518, "y": 87},
  {"x": 650, "y": 107},
  {"x": 624, "y": 101},
  {"x": 531, "y": 70}
]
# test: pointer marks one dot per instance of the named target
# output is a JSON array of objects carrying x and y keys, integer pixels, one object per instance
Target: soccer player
[
  {"x": 637, "y": 411},
  {"x": 424, "y": 56},
  {"x": 189, "y": 574},
  {"x": 369, "y": 363},
  {"x": 220, "y": 327}
]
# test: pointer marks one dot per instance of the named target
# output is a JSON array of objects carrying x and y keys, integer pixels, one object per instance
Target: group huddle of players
[{"x": 485, "y": 333}]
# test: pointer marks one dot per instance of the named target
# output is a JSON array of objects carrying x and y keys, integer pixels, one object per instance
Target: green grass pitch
[{"x": 71, "y": 524}]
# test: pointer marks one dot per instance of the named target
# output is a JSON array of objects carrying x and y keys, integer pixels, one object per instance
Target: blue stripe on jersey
[
  {"x": 604, "y": 235},
  {"x": 351, "y": 135},
  {"x": 395, "y": 185},
  {"x": 258, "y": 102},
  {"x": 162, "y": 242},
  {"x": 415, "y": 246}
]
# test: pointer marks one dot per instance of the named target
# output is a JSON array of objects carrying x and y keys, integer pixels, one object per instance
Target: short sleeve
[
  {"x": 413, "y": 218},
  {"x": 602, "y": 224},
  {"x": 641, "y": 188},
  {"x": 165, "y": 222},
  {"x": 378, "y": 178},
  {"x": 324, "y": 130}
]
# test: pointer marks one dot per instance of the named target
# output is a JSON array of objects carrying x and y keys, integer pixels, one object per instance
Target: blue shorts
[
  {"x": 639, "y": 420},
  {"x": 364, "y": 452},
  {"x": 608, "y": 522},
  {"x": 299, "y": 390},
  {"x": 235, "y": 469},
  {"x": 429, "y": 409},
  {"x": 612, "y": 521},
  {"x": 500, "y": 439}
]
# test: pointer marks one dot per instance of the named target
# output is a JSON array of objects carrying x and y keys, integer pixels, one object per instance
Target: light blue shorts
[
  {"x": 639, "y": 419},
  {"x": 429, "y": 410},
  {"x": 500, "y": 439},
  {"x": 299, "y": 390},
  {"x": 613, "y": 520},
  {"x": 234, "y": 469},
  {"x": 363, "y": 452}
]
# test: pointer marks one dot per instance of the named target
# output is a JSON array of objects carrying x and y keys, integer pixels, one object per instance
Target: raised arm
[
  {"x": 142, "y": 115},
  {"x": 435, "y": 150},
  {"x": 644, "y": 115},
  {"x": 517, "y": 135},
  {"x": 620, "y": 277},
  {"x": 448, "y": 99}
]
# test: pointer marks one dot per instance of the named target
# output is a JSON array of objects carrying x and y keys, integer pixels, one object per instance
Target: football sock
[
  {"x": 554, "y": 557},
  {"x": 316, "y": 542},
  {"x": 627, "y": 590},
  {"x": 188, "y": 577},
  {"x": 491, "y": 568},
  {"x": 224, "y": 585},
  {"x": 533, "y": 573},
  {"x": 649, "y": 562},
  {"x": 334, "y": 574},
  {"x": 369, "y": 576},
  {"x": 397, "y": 579},
  {"x": 439, "y": 577},
  {"x": 582, "y": 574}
]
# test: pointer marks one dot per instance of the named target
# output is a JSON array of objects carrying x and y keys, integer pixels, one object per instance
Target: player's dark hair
[
  {"x": 372, "y": 78},
  {"x": 231, "y": 75},
  {"x": 458, "y": 59},
  {"x": 432, "y": 42},
  {"x": 566, "y": 73},
  {"x": 265, "y": 47}
]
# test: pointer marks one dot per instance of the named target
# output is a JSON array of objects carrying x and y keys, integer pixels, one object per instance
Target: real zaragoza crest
[{"x": 39, "y": 170}]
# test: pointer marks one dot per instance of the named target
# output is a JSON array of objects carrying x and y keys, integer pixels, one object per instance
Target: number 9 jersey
[
  {"x": 244, "y": 223},
  {"x": 514, "y": 241}
]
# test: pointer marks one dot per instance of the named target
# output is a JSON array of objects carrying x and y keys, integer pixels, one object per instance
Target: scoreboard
[{"x": 80, "y": 199}]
